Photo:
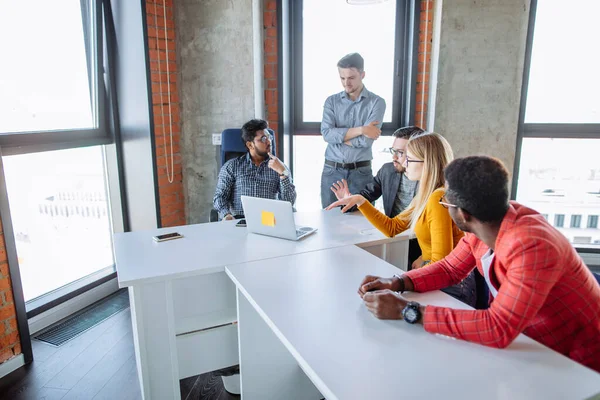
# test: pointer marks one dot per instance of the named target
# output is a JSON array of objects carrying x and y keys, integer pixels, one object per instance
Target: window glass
[
  {"x": 332, "y": 29},
  {"x": 563, "y": 78},
  {"x": 60, "y": 215},
  {"x": 44, "y": 75},
  {"x": 561, "y": 178}
]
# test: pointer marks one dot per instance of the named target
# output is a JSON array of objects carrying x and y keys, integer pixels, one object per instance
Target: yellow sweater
[{"x": 436, "y": 232}]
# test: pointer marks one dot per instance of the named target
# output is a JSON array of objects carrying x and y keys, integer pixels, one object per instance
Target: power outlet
[{"x": 216, "y": 139}]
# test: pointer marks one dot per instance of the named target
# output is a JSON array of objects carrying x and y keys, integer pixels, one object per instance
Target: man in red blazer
[{"x": 538, "y": 284}]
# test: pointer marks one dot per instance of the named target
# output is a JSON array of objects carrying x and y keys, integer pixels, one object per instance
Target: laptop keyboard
[{"x": 299, "y": 232}]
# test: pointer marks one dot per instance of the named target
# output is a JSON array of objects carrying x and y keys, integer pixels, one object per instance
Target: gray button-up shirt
[{"x": 339, "y": 114}]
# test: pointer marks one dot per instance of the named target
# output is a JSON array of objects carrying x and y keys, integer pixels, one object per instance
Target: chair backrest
[{"x": 232, "y": 145}]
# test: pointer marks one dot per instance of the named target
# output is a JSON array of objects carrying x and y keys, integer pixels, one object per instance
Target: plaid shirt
[
  {"x": 240, "y": 177},
  {"x": 544, "y": 290}
]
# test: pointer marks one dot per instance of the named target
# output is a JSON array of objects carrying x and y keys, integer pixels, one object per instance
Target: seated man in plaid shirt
[
  {"x": 538, "y": 284},
  {"x": 257, "y": 173}
]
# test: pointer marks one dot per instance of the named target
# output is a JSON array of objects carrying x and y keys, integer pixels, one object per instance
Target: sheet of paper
[{"x": 268, "y": 218}]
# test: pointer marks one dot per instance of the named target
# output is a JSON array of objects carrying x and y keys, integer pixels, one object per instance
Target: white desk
[
  {"x": 183, "y": 304},
  {"x": 307, "y": 331}
]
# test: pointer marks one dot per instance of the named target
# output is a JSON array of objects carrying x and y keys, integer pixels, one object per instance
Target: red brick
[
  {"x": 3, "y": 269},
  {"x": 12, "y": 324},
  {"x": 9, "y": 339},
  {"x": 17, "y": 349},
  {"x": 172, "y": 220},
  {"x": 271, "y": 59},
  {"x": 271, "y": 84},
  {"x": 6, "y": 354},
  {"x": 271, "y": 5},
  {"x": 270, "y": 71},
  {"x": 175, "y": 187},
  {"x": 8, "y": 297},
  {"x": 5, "y": 284},
  {"x": 270, "y": 45},
  {"x": 170, "y": 200},
  {"x": 269, "y": 19},
  {"x": 271, "y": 32},
  {"x": 426, "y": 5},
  {"x": 7, "y": 311}
]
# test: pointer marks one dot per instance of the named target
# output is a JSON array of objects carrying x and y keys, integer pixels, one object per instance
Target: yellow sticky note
[{"x": 268, "y": 218}]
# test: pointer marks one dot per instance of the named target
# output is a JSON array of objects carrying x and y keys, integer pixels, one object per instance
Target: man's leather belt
[{"x": 353, "y": 165}]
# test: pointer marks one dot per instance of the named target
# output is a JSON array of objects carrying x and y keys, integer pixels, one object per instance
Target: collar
[
  {"x": 363, "y": 94},
  {"x": 509, "y": 220},
  {"x": 249, "y": 159}
]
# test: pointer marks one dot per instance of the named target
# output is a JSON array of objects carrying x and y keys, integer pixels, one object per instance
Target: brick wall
[
  {"x": 270, "y": 58},
  {"x": 424, "y": 62},
  {"x": 10, "y": 345},
  {"x": 166, "y": 113}
]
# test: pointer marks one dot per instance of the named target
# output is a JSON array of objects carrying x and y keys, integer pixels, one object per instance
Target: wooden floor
[{"x": 99, "y": 364}]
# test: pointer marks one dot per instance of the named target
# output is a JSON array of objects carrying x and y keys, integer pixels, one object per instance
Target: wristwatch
[
  {"x": 285, "y": 173},
  {"x": 412, "y": 313}
]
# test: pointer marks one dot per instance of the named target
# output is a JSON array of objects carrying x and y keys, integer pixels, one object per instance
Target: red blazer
[{"x": 544, "y": 290}]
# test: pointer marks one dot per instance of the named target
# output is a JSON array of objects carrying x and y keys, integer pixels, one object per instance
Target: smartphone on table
[{"x": 167, "y": 236}]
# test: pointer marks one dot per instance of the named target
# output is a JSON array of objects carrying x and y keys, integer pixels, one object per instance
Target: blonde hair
[{"x": 436, "y": 153}]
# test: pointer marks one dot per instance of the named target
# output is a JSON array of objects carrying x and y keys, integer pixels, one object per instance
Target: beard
[
  {"x": 263, "y": 154},
  {"x": 399, "y": 168}
]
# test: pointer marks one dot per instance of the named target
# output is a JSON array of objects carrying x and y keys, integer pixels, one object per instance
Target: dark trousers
[{"x": 357, "y": 178}]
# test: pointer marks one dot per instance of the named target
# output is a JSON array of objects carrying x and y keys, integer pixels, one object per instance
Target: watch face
[
  {"x": 411, "y": 312},
  {"x": 410, "y": 315}
]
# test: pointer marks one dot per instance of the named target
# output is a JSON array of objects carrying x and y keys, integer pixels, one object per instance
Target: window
[
  {"x": 323, "y": 35},
  {"x": 53, "y": 103},
  {"x": 592, "y": 221},
  {"x": 60, "y": 216},
  {"x": 559, "y": 134},
  {"x": 320, "y": 37},
  {"x": 54, "y": 89}
]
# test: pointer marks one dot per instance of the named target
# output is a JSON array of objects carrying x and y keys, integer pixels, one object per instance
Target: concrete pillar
[
  {"x": 481, "y": 51},
  {"x": 217, "y": 63}
]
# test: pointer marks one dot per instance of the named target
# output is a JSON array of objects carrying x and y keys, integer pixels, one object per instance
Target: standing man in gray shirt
[{"x": 352, "y": 121}]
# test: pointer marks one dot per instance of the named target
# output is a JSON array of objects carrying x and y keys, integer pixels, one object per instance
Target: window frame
[
  {"x": 544, "y": 130},
  {"x": 405, "y": 76},
  {"x": 13, "y": 143}
]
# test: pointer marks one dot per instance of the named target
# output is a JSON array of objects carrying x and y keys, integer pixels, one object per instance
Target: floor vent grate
[{"x": 87, "y": 318}]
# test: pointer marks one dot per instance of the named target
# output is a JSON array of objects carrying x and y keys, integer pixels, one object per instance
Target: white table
[
  {"x": 183, "y": 304},
  {"x": 304, "y": 333}
]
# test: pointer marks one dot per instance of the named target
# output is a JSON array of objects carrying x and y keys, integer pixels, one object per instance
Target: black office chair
[{"x": 232, "y": 146}]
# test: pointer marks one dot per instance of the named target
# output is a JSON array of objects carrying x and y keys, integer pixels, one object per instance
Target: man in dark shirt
[
  {"x": 397, "y": 190},
  {"x": 257, "y": 173}
]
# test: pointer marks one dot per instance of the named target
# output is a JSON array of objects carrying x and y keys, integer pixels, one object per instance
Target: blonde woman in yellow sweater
[{"x": 427, "y": 155}]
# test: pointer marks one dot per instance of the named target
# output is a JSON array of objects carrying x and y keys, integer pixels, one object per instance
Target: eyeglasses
[
  {"x": 446, "y": 205},
  {"x": 408, "y": 161},
  {"x": 266, "y": 137},
  {"x": 396, "y": 152}
]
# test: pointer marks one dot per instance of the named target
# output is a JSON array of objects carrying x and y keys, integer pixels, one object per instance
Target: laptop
[{"x": 272, "y": 218}]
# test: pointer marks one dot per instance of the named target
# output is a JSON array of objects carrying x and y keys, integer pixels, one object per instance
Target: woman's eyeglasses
[
  {"x": 446, "y": 205},
  {"x": 396, "y": 152},
  {"x": 408, "y": 161}
]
